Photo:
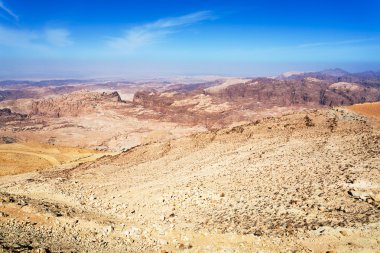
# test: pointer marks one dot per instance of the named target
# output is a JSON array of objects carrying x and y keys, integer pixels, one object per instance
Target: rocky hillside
[
  {"x": 301, "y": 182},
  {"x": 73, "y": 104},
  {"x": 272, "y": 92},
  {"x": 247, "y": 100},
  {"x": 6, "y": 115}
]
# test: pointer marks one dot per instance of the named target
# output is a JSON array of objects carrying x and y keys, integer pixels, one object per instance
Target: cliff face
[
  {"x": 73, "y": 104},
  {"x": 152, "y": 98}
]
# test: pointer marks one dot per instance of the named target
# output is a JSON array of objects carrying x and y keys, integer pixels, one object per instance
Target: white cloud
[
  {"x": 58, "y": 37},
  {"x": 8, "y": 11},
  {"x": 181, "y": 21},
  {"x": 136, "y": 37},
  {"x": 31, "y": 39},
  {"x": 47, "y": 39},
  {"x": 17, "y": 38},
  {"x": 146, "y": 34}
]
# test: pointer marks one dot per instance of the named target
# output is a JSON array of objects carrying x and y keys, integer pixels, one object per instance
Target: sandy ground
[
  {"x": 367, "y": 109},
  {"x": 19, "y": 158},
  {"x": 226, "y": 84}
]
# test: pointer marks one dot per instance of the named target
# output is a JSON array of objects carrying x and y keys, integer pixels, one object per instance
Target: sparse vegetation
[{"x": 309, "y": 121}]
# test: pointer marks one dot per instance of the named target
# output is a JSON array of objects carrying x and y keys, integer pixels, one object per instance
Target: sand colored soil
[
  {"x": 17, "y": 158},
  {"x": 367, "y": 109}
]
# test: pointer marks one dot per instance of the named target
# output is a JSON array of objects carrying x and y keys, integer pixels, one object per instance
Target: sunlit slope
[
  {"x": 367, "y": 109},
  {"x": 19, "y": 158}
]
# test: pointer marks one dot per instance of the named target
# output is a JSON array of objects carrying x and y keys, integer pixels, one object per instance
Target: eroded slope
[{"x": 301, "y": 182}]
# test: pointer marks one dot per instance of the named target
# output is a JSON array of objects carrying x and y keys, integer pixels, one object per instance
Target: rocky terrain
[
  {"x": 6, "y": 115},
  {"x": 86, "y": 119},
  {"x": 242, "y": 100},
  {"x": 73, "y": 104},
  {"x": 104, "y": 120},
  {"x": 302, "y": 182},
  {"x": 201, "y": 164}
]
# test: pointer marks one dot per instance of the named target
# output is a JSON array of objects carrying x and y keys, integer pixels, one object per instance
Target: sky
[{"x": 158, "y": 38}]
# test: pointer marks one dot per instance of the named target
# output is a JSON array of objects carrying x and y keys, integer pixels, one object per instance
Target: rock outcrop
[
  {"x": 7, "y": 115},
  {"x": 74, "y": 104}
]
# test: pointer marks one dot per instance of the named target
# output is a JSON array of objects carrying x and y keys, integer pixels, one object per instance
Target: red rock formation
[
  {"x": 271, "y": 92},
  {"x": 73, "y": 104}
]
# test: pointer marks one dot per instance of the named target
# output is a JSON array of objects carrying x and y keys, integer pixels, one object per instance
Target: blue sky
[{"x": 160, "y": 38}]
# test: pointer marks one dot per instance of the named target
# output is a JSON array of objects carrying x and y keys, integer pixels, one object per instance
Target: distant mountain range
[
  {"x": 368, "y": 78},
  {"x": 42, "y": 82}
]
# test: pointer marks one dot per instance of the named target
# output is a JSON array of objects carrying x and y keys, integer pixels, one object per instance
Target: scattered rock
[
  {"x": 2, "y": 214},
  {"x": 107, "y": 230},
  {"x": 360, "y": 195},
  {"x": 376, "y": 197}
]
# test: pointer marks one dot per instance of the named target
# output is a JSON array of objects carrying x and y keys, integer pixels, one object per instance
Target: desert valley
[{"x": 289, "y": 163}]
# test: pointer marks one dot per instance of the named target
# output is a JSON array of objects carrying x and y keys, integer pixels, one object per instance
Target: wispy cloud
[
  {"x": 47, "y": 39},
  {"x": 8, "y": 11},
  {"x": 334, "y": 43},
  {"x": 58, "y": 37},
  {"x": 17, "y": 38},
  {"x": 146, "y": 34}
]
